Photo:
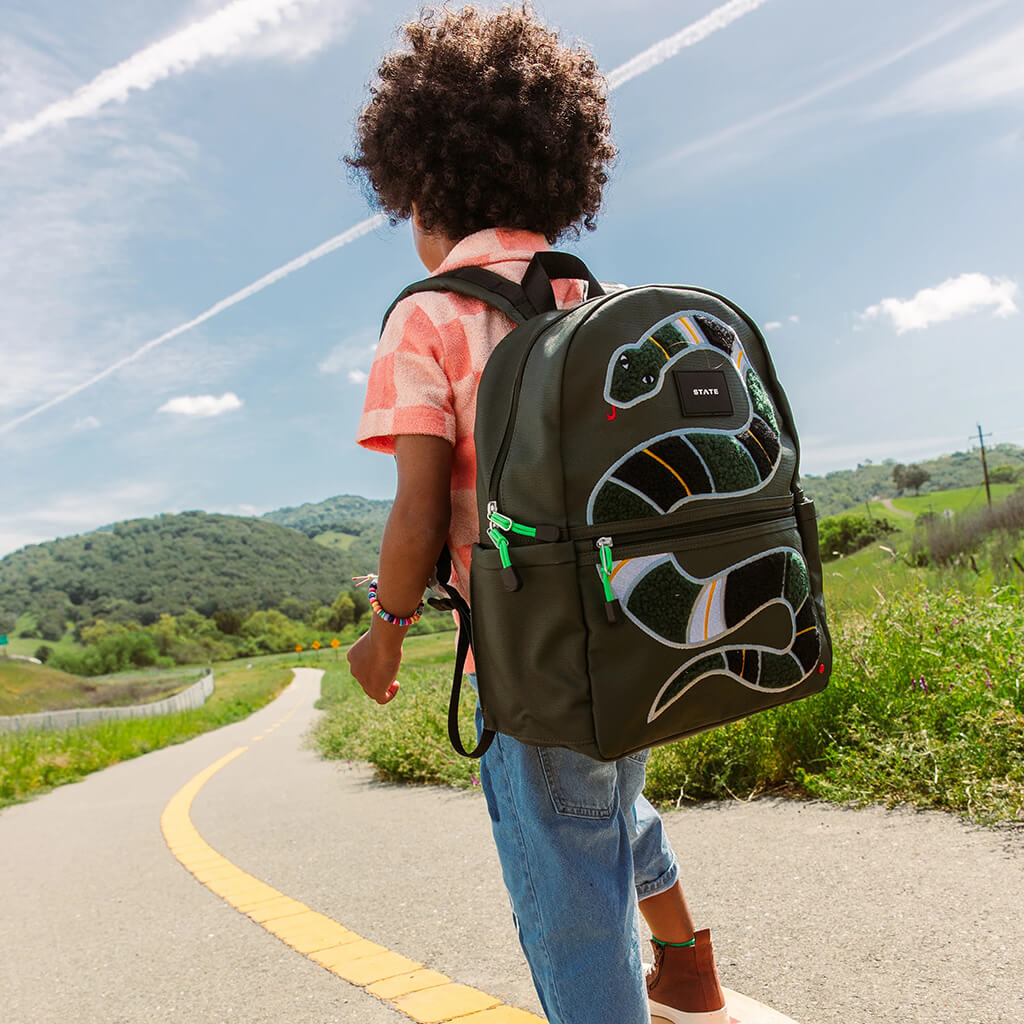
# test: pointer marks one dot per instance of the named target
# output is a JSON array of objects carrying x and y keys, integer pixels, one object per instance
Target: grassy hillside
[
  {"x": 142, "y": 568},
  {"x": 848, "y": 488},
  {"x": 868, "y": 578},
  {"x": 26, "y": 688},
  {"x": 346, "y": 524}
]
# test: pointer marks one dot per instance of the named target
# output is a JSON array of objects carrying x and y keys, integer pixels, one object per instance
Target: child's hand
[{"x": 374, "y": 666}]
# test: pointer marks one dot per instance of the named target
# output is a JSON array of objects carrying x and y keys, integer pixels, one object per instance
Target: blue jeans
[{"x": 579, "y": 844}]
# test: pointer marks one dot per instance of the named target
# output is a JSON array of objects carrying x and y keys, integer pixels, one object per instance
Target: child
[{"x": 493, "y": 137}]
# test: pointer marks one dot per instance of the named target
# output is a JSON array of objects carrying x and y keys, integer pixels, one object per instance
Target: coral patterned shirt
[{"x": 425, "y": 374}]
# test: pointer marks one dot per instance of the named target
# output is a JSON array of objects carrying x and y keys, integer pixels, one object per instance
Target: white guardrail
[{"x": 194, "y": 697}]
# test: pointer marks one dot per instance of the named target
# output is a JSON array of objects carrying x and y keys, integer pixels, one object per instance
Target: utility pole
[{"x": 984, "y": 464}]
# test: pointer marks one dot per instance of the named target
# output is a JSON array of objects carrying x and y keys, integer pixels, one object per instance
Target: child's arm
[{"x": 416, "y": 530}]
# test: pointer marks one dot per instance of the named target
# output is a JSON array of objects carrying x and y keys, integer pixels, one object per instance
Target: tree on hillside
[
  {"x": 910, "y": 476},
  {"x": 361, "y": 603},
  {"x": 229, "y": 621},
  {"x": 343, "y": 611},
  {"x": 51, "y": 625},
  {"x": 8, "y": 620},
  {"x": 1004, "y": 475}
]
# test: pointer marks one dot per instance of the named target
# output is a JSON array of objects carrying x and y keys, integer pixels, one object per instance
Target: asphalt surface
[{"x": 830, "y": 915}]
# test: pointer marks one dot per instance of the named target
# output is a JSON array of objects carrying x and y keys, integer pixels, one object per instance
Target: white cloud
[
  {"x": 794, "y": 319},
  {"x": 772, "y": 325},
  {"x": 351, "y": 357},
  {"x": 955, "y": 297},
  {"x": 985, "y": 75},
  {"x": 202, "y": 405},
  {"x": 86, "y": 423},
  {"x": 260, "y": 28}
]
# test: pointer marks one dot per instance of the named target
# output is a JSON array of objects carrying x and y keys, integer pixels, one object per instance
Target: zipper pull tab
[
  {"x": 509, "y": 578},
  {"x": 612, "y": 608},
  {"x": 508, "y": 525},
  {"x": 496, "y": 519}
]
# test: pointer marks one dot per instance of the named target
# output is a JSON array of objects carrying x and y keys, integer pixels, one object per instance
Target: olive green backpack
[{"x": 648, "y": 565}]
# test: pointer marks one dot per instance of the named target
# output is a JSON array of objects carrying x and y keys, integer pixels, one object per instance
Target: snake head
[{"x": 634, "y": 373}]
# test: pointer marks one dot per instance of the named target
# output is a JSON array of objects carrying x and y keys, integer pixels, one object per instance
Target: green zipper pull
[
  {"x": 509, "y": 578},
  {"x": 612, "y": 608},
  {"x": 509, "y": 525}
]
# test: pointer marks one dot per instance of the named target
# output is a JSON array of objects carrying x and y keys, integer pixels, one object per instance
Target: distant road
[
  {"x": 832, "y": 916},
  {"x": 887, "y": 502}
]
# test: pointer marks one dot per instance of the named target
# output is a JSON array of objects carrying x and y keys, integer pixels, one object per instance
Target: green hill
[
  {"x": 141, "y": 568},
  {"x": 299, "y": 556},
  {"x": 347, "y": 524},
  {"x": 346, "y": 513},
  {"x": 847, "y": 488}
]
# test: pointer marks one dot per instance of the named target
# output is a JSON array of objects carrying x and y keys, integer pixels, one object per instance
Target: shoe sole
[{"x": 661, "y": 1014}]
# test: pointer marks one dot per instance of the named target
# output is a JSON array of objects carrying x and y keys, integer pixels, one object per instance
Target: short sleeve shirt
[{"x": 427, "y": 368}]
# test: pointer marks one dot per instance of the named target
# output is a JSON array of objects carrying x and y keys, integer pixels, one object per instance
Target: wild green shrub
[
  {"x": 925, "y": 706},
  {"x": 116, "y": 652},
  {"x": 950, "y": 541},
  {"x": 842, "y": 535}
]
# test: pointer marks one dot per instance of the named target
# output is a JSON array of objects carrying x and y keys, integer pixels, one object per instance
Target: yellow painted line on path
[{"x": 407, "y": 986}]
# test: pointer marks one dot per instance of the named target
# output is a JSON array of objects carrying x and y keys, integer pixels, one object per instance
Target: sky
[{"x": 191, "y": 283}]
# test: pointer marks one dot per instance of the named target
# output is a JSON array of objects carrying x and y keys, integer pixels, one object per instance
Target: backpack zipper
[
  {"x": 498, "y": 526},
  {"x": 760, "y": 510},
  {"x": 652, "y": 542}
]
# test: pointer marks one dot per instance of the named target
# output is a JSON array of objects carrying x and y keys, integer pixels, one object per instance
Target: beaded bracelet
[{"x": 395, "y": 620}]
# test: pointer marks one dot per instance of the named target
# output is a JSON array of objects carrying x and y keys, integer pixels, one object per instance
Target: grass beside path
[
  {"x": 407, "y": 740},
  {"x": 26, "y": 688},
  {"x": 925, "y": 707},
  {"x": 36, "y": 761}
]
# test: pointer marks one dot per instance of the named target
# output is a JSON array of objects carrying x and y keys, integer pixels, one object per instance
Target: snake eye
[
  {"x": 624, "y": 361},
  {"x": 647, "y": 379}
]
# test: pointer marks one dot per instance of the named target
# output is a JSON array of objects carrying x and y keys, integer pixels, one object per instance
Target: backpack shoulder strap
[
  {"x": 518, "y": 302},
  {"x": 477, "y": 283}
]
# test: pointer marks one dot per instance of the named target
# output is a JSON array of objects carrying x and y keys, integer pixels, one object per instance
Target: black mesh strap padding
[
  {"x": 442, "y": 574},
  {"x": 477, "y": 283},
  {"x": 546, "y": 267}
]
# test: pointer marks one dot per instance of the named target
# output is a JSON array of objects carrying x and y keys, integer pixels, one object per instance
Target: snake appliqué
[{"x": 706, "y": 618}]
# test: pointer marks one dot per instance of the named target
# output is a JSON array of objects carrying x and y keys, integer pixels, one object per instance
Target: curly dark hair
[{"x": 486, "y": 120}]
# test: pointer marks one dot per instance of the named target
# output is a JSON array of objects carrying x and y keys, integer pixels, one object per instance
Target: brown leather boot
[{"x": 683, "y": 986}]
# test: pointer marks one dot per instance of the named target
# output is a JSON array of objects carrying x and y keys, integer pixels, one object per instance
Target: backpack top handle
[{"x": 548, "y": 266}]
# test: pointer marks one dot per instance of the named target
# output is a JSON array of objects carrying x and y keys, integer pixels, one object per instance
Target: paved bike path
[{"x": 832, "y": 916}]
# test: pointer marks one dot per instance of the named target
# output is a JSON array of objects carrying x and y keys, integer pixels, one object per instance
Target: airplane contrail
[
  {"x": 220, "y": 33},
  {"x": 722, "y": 135},
  {"x": 642, "y": 62},
  {"x": 657, "y": 54},
  {"x": 360, "y": 229}
]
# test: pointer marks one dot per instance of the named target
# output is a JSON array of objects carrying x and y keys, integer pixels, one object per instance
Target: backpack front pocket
[
  {"x": 724, "y": 622},
  {"x": 530, "y": 646}
]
